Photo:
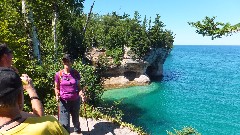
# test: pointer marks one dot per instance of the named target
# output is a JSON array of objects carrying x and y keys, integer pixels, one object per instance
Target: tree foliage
[
  {"x": 14, "y": 31},
  {"x": 184, "y": 131},
  {"x": 209, "y": 27},
  {"x": 111, "y": 32}
]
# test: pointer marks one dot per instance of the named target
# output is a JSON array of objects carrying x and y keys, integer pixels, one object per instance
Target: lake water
[{"x": 200, "y": 88}]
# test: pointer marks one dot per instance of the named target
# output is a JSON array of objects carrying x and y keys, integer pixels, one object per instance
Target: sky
[{"x": 175, "y": 14}]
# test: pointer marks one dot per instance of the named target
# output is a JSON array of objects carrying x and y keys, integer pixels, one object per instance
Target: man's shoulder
[
  {"x": 49, "y": 117},
  {"x": 45, "y": 125},
  {"x": 43, "y": 118}
]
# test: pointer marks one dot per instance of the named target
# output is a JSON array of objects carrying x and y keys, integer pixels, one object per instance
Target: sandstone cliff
[{"x": 132, "y": 72}]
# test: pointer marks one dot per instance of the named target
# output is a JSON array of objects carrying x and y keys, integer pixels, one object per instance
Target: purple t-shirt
[{"x": 68, "y": 85}]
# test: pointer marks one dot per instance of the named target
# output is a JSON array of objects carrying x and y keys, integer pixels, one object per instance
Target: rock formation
[{"x": 132, "y": 71}]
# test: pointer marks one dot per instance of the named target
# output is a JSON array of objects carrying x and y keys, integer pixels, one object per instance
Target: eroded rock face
[
  {"x": 132, "y": 72},
  {"x": 155, "y": 59}
]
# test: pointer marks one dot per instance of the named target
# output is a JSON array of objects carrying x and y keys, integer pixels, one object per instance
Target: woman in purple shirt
[{"x": 68, "y": 93}]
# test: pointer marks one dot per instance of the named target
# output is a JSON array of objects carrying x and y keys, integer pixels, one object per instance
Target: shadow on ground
[{"x": 101, "y": 128}]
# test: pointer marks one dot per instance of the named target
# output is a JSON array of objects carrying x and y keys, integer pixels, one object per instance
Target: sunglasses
[{"x": 66, "y": 61}]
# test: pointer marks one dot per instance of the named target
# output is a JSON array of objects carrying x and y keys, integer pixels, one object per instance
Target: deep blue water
[{"x": 200, "y": 88}]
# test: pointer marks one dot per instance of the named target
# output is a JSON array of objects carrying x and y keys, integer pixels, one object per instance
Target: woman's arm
[
  {"x": 57, "y": 90},
  {"x": 81, "y": 92}
]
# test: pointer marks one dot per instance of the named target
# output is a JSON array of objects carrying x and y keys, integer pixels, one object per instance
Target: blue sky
[{"x": 175, "y": 14}]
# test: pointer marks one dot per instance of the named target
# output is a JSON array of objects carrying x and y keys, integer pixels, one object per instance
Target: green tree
[
  {"x": 13, "y": 32},
  {"x": 113, "y": 32},
  {"x": 139, "y": 41},
  {"x": 209, "y": 27},
  {"x": 159, "y": 37}
]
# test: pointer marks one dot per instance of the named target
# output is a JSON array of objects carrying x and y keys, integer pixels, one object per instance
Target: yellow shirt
[{"x": 46, "y": 125}]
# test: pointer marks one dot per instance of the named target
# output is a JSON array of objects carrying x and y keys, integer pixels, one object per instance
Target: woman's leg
[
  {"x": 64, "y": 116},
  {"x": 74, "y": 110}
]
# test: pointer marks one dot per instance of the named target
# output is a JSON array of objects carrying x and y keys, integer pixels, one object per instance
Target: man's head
[
  {"x": 10, "y": 87},
  {"x": 5, "y": 56}
]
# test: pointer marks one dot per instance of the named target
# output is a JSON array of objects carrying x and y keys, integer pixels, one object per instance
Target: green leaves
[
  {"x": 15, "y": 32},
  {"x": 113, "y": 32},
  {"x": 208, "y": 27},
  {"x": 92, "y": 80},
  {"x": 184, "y": 131}
]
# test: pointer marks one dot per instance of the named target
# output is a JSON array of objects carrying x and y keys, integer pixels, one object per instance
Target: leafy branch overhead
[{"x": 209, "y": 27}]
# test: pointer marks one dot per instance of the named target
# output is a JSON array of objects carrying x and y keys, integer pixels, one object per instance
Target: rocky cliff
[{"x": 132, "y": 72}]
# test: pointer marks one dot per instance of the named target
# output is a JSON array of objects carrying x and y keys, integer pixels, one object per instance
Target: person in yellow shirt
[{"x": 13, "y": 120}]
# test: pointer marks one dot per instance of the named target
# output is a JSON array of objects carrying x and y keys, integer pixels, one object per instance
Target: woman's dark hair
[{"x": 4, "y": 50}]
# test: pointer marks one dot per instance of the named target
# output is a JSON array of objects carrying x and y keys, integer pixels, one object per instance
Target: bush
[{"x": 184, "y": 131}]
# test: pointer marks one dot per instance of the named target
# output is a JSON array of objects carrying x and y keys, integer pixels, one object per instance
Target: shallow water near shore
[{"x": 200, "y": 88}]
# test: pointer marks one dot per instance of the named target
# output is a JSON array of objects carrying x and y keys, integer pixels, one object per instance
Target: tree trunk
[
  {"x": 54, "y": 29},
  {"x": 35, "y": 41},
  {"x": 33, "y": 34}
]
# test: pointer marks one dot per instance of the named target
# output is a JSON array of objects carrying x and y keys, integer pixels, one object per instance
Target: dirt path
[{"x": 101, "y": 127}]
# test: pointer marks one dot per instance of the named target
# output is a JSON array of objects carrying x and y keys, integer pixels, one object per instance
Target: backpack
[{"x": 75, "y": 74}]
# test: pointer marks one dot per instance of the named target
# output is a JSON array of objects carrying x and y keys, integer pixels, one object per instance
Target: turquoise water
[{"x": 200, "y": 88}]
